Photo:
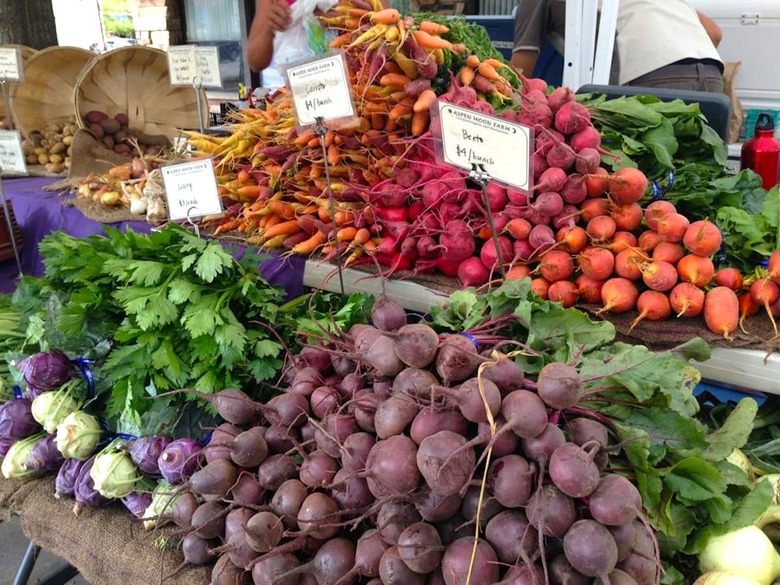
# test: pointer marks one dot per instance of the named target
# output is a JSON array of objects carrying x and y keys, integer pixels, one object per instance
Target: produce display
[
  {"x": 51, "y": 146},
  {"x": 505, "y": 437}
]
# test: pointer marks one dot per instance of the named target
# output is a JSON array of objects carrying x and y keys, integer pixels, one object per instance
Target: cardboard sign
[
  {"x": 182, "y": 66},
  {"x": 321, "y": 89},
  {"x": 11, "y": 153},
  {"x": 10, "y": 64},
  {"x": 207, "y": 66},
  {"x": 475, "y": 141},
  {"x": 191, "y": 189}
]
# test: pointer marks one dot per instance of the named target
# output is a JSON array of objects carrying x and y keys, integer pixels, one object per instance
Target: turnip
[
  {"x": 512, "y": 479},
  {"x": 573, "y": 470},
  {"x": 590, "y": 548},
  {"x": 551, "y": 511},
  {"x": 394, "y": 415},
  {"x": 562, "y": 573},
  {"x": 473, "y": 272},
  {"x": 394, "y": 571},
  {"x": 420, "y": 547},
  {"x": 615, "y": 501},
  {"x": 512, "y": 537},
  {"x": 393, "y": 517},
  {"x": 445, "y": 472},
  {"x": 653, "y": 306},
  {"x": 721, "y": 311},
  {"x": 391, "y": 467},
  {"x": 571, "y": 117},
  {"x": 698, "y": 270},
  {"x": 464, "y": 564},
  {"x": 564, "y": 292},
  {"x": 287, "y": 500},
  {"x": 618, "y": 295}
]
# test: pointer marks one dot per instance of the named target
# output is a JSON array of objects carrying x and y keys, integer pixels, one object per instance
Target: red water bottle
[{"x": 762, "y": 152}]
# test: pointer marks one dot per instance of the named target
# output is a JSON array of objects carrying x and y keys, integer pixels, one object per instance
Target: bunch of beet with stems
[{"x": 398, "y": 455}]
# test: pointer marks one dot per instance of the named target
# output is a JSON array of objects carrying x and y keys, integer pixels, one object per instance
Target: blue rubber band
[
  {"x": 83, "y": 364},
  {"x": 17, "y": 391},
  {"x": 471, "y": 338}
]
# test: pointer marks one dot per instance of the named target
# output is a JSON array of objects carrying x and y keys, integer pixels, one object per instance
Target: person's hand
[{"x": 279, "y": 15}]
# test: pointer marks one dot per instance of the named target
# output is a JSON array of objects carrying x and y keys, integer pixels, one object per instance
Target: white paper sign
[
  {"x": 207, "y": 66},
  {"x": 320, "y": 89},
  {"x": 191, "y": 189},
  {"x": 182, "y": 67},
  {"x": 10, "y": 64},
  {"x": 11, "y": 153},
  {"x": 499, "y": 147}
]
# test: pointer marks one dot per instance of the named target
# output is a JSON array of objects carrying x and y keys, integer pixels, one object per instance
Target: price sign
[
  {"x": 11, "y": 153},
  {"x": 10, "y": 64},
  {"x": 182, "y": 66},
  {"x": 191, "y": 189},
  {"x": 471, "y": 139},
  {"x": 207, "y": 66},
  {"x": 320, "y": 89}
]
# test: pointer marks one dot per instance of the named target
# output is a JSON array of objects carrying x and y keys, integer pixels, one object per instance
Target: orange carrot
[
  {"x": 227, "y": 226},
  {"x": 458, "y": 48},
  {"x": 377, "y": 121},
  {"x": 466, "y": 75},
  {"x": 304, "y": 138},
  {"x": 362, "y": 236},
  {"x": 333, "y": 154},
  {"x": 394, "y": 79},
  {"x": 400, "y": 109},
  {"x": 420, "y": 122},
  {"x": 495, "y": 63},
  {"x": 344, "y": 217},
  {"x": 433, "y": 28},
  {"x": 429, "y": 41},
  {"x": 472, "y": 61},
  {"x": 393, "y": 67},
  {"x": 487, "y": 71},
  {"x": 270, "y": 220},
  {"x": 306, "y": 247},
  {"x": 424, "y": 101},
  {"x": 282, "y": 209},
  {"x": 282, "y": 228},
  {"x": 346, "y": 234},
  {"x": 243, "y": 176},
  {"x": 386, "y": 16},
  {"x": 248, "y": 191}
]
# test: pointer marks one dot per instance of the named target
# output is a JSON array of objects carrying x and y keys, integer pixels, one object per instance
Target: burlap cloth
[{"x": 107, "y": 545}]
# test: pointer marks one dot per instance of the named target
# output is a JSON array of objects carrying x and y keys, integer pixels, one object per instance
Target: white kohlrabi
[
  {"x": 13, "y": 466},
  {"x": 746, "y": 552},
  {"x": 78, "y": 435},
  {"x": 723, "y": 578},
  {"x": 114, "y": 472},
  {"x": 50, "y": 408}
]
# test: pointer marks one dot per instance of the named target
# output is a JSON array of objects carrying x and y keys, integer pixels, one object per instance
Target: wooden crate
[{"x": 6, "y": 248}]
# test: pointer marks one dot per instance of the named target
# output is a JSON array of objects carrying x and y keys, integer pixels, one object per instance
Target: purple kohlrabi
[
  {"x": 16, "y": 420},
  {"x": 45, "y": 456},
  {"x": 66, "y": 478},
  {"x": 46, "y": 370},
  {"x": 5, "y": 444},
  {"x": 84, "y": 489},
  {"x": 137, "y": 503},
  {"x": 179, "y": 460},
  {"x": 145, "y": 453}
]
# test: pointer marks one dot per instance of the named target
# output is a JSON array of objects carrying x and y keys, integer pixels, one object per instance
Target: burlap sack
[
  {"x": 87, "y": 155},
  {"x": 736, "y": 120}
]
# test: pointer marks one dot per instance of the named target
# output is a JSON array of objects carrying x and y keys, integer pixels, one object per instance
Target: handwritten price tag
[
  {"x": 182, "y": 66},
  {"x": 10, "y": 64},
  {"x": 191, "y": 189},
  {"x": 11, "y": 153},
  {"x": 207, "y": 66},
  {"x": 471, "y": 139},
  {"x": 320, "y": 89}
]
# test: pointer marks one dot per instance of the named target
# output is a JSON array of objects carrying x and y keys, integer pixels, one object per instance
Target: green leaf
[
  {"x": 567, "y": 332},
  {"x": 212, "y": 262},
  {"x": 159, "y": 311},
  {"x": 663, "y": 430},
  {"x": 201, "y": 318},
  {"x": 695, "y": 480},
  {"x": 734, "y": 432},
  {"x": 146, "y": 272},
  {"x": 181, "y": 291}
]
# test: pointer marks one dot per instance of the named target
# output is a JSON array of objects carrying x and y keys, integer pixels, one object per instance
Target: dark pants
[{"x": 690, "y": 76}]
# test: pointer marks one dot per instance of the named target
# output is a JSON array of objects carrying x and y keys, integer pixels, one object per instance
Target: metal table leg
[{"x": 26, "y": 566}]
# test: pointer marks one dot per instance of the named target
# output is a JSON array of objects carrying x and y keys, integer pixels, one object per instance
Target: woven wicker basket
[
  {"x": 45, "y": 95},
  {"x": 135, "y": 81},
  {"x": 445, "y": 7}
]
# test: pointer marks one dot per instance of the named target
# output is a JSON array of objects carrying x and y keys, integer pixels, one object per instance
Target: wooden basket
[
  {"x": 26, "y": 52},
  {"x": 6, "y": 246},
  {"x": 134, "y": 80},
  {"x": 446, "y": 7},
  {"x": 45, "y": 95}
]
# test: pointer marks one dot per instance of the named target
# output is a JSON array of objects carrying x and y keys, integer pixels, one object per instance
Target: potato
[
  {"x": 31, "y": 159},
  {"x": 53, "y": 167},
  {"x": 110, "y": 126},
  {"x": 122, "y": 118},
  {"x": 67, "y": 140},
  {"x": 43, "y": 159},
  {"x": 56, "y": 158},
  {"x": 110, "y": 198},
  {"x": 121, "y": 149},
  {"x": 95, "y": 116},
  {"x": 96, "y": 129},
  {"x": 108, "y": 141},
  {"x": 57, "y": 148}
]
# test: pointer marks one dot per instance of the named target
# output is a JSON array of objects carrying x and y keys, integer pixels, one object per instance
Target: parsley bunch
[{"x": 178, "y": 311}]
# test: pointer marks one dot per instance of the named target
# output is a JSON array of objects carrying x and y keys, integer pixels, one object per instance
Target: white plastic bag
[{"x": 304, "y": 37}]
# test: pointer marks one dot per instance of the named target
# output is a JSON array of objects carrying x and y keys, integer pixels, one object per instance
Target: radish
[
  {"x": 627, "y": 185},
  {"x": 588, "y": 289},
  {"x": 572, "y": 117},
  {"x": 559, "y": 96},
  {"x": 618, "y": 295},
  {"x": 703, "y": 238},
  {"x": 597, "y": 263},
  {"x": 659, "y": 275},
  {"x": 556, "y": 265},
  {"x": 749, "y": 307},
  {"x": 652, "y": 305},
  {"x": 686, "y": 300},
  {"x": 729, "y": 277},
  {"x": 721, "y": 311},
  {"x": 656, "y": 210},
  {"x": 672, "y": 227},
  {"x": 670, "y": 252},
  {"x": 698, "y": 270},
  {"x": 764, "y": 291},
  {"x": 553, "y": 179},
  {"x": 564, "y": 292}
]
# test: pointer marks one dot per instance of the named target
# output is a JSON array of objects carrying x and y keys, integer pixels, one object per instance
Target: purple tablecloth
[{"x": 40, "y": 212}]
